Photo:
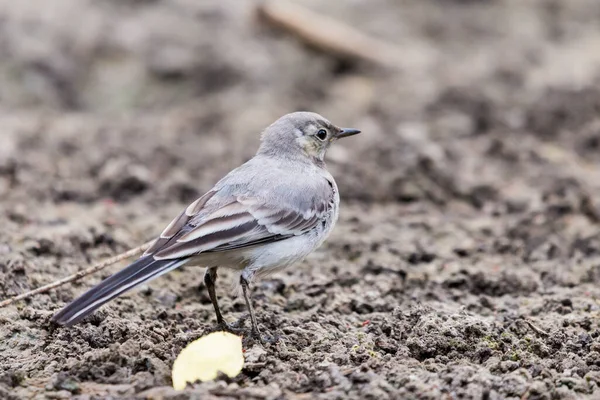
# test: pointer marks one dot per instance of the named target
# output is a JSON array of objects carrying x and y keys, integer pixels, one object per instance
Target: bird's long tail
[{"x": 142, "y": 270}]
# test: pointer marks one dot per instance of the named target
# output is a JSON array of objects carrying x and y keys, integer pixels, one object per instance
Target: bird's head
[{"x": 302, "y": 134}]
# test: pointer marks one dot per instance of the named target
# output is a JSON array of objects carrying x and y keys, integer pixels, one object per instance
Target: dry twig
[
  {"x": 534, "y": 328},
  {"x": 328, "y": 34},
  {"x": 78, "y": 275}
]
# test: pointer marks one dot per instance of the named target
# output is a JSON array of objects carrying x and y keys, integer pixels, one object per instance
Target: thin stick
[
  {"x": 328, "y": 34},
  {"x": 534, "y": 328},
  {"x": 79, "y": 275}
]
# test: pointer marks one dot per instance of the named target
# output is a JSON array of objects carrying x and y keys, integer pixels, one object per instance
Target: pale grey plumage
[{"x": 264, "y": 215}]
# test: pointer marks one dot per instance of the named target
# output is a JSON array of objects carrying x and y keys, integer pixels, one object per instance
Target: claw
[
  {"x": 262, "y": 339},
  {"x": 237, "y": 327},
  {"x": 231, "y": 328}
]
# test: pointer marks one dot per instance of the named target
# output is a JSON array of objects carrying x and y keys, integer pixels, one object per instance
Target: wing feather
[
  {"x": 179, "y": 223},
  {"x": 204, "y": 243},
  {"x": 222, "y": 222},
  {"x": 216, "y": 225}
]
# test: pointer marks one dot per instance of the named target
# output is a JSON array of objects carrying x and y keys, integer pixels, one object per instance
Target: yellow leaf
[{"x": 205, "y": 357}]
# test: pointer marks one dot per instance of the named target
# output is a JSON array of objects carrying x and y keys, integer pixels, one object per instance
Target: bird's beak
[{"x": 345, "y": 132}]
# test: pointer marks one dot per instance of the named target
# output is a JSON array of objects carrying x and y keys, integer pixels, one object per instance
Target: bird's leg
[
  {"x": 245, "y": 289},
  {"x": 210, "y": 278},
  {"x": 255, "y": 332}
]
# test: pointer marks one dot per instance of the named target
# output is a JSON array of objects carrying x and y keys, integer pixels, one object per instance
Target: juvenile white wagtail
[{"x": 263, "y": 216}]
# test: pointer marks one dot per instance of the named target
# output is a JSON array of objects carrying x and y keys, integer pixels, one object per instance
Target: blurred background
[
  {"x": 192, "y": 83},
  {"x": 165, "y": 89},
  {"x": 474, "y": 185}
]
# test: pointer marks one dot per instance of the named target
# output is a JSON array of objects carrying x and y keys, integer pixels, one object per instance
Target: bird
[{"x": 263, "y": 216}]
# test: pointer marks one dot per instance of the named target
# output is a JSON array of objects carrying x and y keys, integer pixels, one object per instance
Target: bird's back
[{"x": 288, "y": 184}]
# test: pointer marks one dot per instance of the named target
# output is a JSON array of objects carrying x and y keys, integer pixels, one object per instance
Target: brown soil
[{"x": 466, "y": 262}]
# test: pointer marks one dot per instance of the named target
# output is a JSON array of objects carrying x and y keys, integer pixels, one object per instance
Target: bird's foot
[
  {"x": 256, "y": 336},
  {"x": 237, "y": 327},
  {"x": 230, "y": 327}
]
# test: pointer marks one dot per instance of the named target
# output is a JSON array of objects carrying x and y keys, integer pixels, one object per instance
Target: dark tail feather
[{"x": 140, "y": 271}]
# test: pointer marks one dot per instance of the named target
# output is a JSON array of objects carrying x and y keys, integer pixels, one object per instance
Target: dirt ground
[{"x": 466, "y": 261}]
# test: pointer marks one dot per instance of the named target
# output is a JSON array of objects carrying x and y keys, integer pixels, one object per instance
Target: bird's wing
[{"x": 238, "y": 222}]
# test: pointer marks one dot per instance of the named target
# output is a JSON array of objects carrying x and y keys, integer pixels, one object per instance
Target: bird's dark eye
[{"x": 322, "y": 134}]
